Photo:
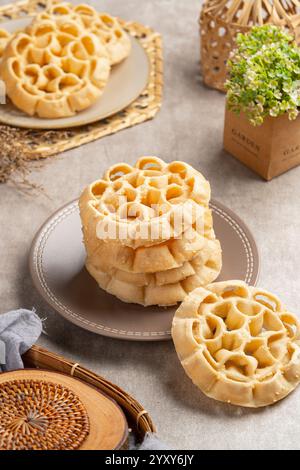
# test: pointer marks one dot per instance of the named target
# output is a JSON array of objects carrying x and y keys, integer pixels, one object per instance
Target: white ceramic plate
[
  {"x": 57, "y": 267},
  {"x": 126, "y": 82}
]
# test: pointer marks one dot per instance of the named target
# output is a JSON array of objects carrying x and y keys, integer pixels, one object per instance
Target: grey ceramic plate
[
  {"x": 57, "y": 267},
  {"x": 127, "y": 81}
]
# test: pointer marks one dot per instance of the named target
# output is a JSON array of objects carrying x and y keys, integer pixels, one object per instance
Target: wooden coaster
[{"x": 43, "y": 410}]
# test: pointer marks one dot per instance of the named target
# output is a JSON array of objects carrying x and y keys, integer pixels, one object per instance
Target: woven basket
[
  {"x": 138, "y": 418},
  {"x": 221, "y": 21}
]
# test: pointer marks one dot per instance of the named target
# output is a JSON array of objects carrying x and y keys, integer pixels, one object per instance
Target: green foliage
[{"x": 264, "y": 74}]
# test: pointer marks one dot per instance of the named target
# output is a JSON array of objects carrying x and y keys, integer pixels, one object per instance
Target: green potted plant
[{"x": 263, "y": 101}]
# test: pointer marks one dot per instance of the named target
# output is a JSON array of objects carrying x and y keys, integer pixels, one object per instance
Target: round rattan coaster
[{"x": 43, "y": 410}]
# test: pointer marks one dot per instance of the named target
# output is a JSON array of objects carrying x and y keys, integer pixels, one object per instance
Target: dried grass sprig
[
  {"x": 17, "y": 160},
  {"x": 14, "y": 156}
]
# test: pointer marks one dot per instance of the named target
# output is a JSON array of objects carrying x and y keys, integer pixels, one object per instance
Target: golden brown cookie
[
  {"x": 54, "y": 70},
  {"x": 106, "y": 27},
  {"x": 238, "y": 343},
  {"x": 144, "y": 204}
]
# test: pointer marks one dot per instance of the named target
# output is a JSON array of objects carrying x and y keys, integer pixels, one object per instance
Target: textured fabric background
[{"x": 189, "y": 127}]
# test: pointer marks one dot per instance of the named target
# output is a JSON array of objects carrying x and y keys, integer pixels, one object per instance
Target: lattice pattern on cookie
[
  {"x": 54, "y": 70},
  {"x": 147, "y": 203},
  {"x": 238, "y": 343},
  {"x": 103, "y": 25},
  {"x": 163, "y": 288}
]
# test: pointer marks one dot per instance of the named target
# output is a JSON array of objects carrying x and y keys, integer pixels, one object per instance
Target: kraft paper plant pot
[{"x": 270, "y": 149}]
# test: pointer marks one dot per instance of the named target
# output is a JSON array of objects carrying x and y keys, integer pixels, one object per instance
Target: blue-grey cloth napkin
[{"x": 19, "y": 330}]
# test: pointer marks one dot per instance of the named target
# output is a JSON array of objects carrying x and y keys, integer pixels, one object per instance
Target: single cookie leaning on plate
[
  {"x": 238, "y": 344},
  {"x": 103, "y": 25},
  {"x": 54, "y": 69}
]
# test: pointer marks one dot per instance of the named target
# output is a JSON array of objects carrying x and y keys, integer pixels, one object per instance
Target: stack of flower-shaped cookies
[
  {"x": 60, "y": 64},
  {"x": 148, "y": 232}
]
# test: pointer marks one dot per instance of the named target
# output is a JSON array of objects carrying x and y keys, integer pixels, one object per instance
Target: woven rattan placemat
[{"x": 42, "y": 143}]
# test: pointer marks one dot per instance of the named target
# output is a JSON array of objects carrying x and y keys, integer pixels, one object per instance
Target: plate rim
[
  {"x": 78, "y": 320},
  {"x": 58, "y": 126}
]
